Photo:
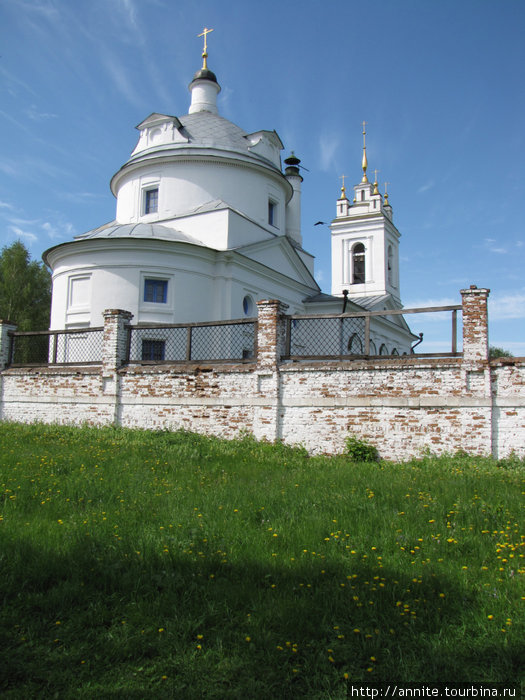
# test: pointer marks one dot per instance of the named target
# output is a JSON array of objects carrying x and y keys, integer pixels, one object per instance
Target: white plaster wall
[
  {"x": 118, "y": 268},
  {"x": 185, "y": 185},
  {"x": 203, "y": 285},
  {"x": 376, "y": 233}
]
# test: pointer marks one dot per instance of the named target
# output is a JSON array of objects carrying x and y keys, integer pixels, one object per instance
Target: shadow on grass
[{"x": 106, "y": 621}]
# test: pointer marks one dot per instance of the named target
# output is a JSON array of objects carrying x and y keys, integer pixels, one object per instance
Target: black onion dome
[
  {"x": 292, "y": 160},
  {"x": 205, "y": 74}
]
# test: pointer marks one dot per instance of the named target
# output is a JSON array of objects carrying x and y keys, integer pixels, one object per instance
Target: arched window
[
  {"x": 383, "y": 349},
  {"x": 355, "y": 347},
  {"x": 358, "y": 264},
  {"x": 373, "y": 349},
  {"x": 395, "y": 352},
  {"x": 389, "y": 266}
]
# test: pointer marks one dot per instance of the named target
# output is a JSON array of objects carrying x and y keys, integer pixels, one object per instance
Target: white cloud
[
  {"x": 328, "y": 145},
  {"x": 23, "y": 234},
  {"x": 491, "y": 245},
  {"x": 51, "y": 230},
  {"x": 122, "y": 79},
  {"x": 58, "y": 230},
  {"x": 427, "y": 186},
  {"x": 507, "y": 306},
  {"x": 35, "y": 115},
  {"x": 13, "y": 81},
  {"x": 440, "y": 301},
  {"x": 41, "y": 7}
]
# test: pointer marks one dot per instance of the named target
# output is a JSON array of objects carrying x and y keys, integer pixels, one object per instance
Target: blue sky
[{"x": 441, "y": 84}]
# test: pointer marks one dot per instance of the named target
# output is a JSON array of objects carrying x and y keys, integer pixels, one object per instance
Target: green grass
[{"x": 140, "y": 564}]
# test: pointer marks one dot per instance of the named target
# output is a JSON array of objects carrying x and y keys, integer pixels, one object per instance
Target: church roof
[
  {"x": 211, "y": 130},
  {"x": 205, "y": 74},
  {"x": 204, "y": 129},
  {"x": 369, "y": 303},
  {"x": 140, "y": 230}
]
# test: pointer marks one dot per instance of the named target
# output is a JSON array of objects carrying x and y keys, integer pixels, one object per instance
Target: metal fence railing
[
  {"x": 367, "y": 333},
  {"x": 67, "y": 347},
  {"x": 363, "y": 334},
  {"x": 219, "y": 341}
]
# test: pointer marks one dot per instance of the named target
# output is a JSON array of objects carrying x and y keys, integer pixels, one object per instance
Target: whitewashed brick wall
[{"x": 403, "y": 406}]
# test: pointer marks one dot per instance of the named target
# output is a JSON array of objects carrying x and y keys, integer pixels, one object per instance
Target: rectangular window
[
  {"x": 151, "y": 201},
  {"x": 272, "y": 213},
  {"x": 153, "y": 350},
  {"x": 156, "y": 291}
]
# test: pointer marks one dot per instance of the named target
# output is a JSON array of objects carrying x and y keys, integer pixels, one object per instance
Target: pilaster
[
  {"x": 270, "y": 333},
  {"x": 475, "y": 325},
  {"x": 5, "y": 342},
  {"x": 115, "y": 340},
  {"x": 271, "y": 338}
]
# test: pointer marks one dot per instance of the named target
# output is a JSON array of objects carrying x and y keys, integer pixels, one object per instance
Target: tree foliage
[
  {"x": 25, "y": 289},
  {"x": 499, "y": 352}
]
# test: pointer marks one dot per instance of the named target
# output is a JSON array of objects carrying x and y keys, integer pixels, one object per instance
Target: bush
[{"x": 360, "y": 450}]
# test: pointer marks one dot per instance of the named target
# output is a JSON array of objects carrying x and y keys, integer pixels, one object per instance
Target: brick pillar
[
  {"x": 270, "y": 347},
  {"x": 115, "y": 340},
  {"x": 475, "y": 325},
  {"x": 270, "y": 332},
  {"x": 5, "y": 341}
]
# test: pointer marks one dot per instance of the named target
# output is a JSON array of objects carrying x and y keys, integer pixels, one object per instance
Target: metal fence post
[
  {"x": 454, "y": 331},
  {"x": 188, "y": 344},
  {"x": 367, "y": 335}
]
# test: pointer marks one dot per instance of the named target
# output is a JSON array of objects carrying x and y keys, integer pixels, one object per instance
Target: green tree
[
  {"x": 499, "y": 352},
  {"x": 25, "y": 289}
]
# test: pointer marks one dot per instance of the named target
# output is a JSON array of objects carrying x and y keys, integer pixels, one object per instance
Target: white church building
[{"x": 208, "y": 223}]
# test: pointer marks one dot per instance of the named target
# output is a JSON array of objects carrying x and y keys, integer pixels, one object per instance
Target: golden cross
[
  {"x": 375, "y": 175},
  {"x": 205, "y": 33},
  {"x": 386, "y": 184},
  {"x": 343, "y": 190}
]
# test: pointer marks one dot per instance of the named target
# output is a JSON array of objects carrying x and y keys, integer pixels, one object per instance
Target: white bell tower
[{"x": 365, "y": 242}]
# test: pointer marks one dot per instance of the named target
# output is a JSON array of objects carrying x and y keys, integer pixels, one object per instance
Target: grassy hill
[{"x": 141, "y": 564}]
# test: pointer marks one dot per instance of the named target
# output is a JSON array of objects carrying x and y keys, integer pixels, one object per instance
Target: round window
[{"x": 247, "y": 306}]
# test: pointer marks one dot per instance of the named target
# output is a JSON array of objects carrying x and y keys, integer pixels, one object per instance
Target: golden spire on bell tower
[
  {"x": 387, "y": 203},
  {"x": 365, "y": 161},
  {"x": 376, "y": 191},
  {"x": 205, "y": 33},
  {"x": 343, "y": 188}
]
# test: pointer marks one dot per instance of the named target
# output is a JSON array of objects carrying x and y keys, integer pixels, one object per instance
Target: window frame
[
  {"x": 273, "y": 212},
  {"x": 362, "y": 260},
  {"x": 155, "y": 283},
  {"x": 147, "y": 193},
  {"x": 153, "y": 345}
]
